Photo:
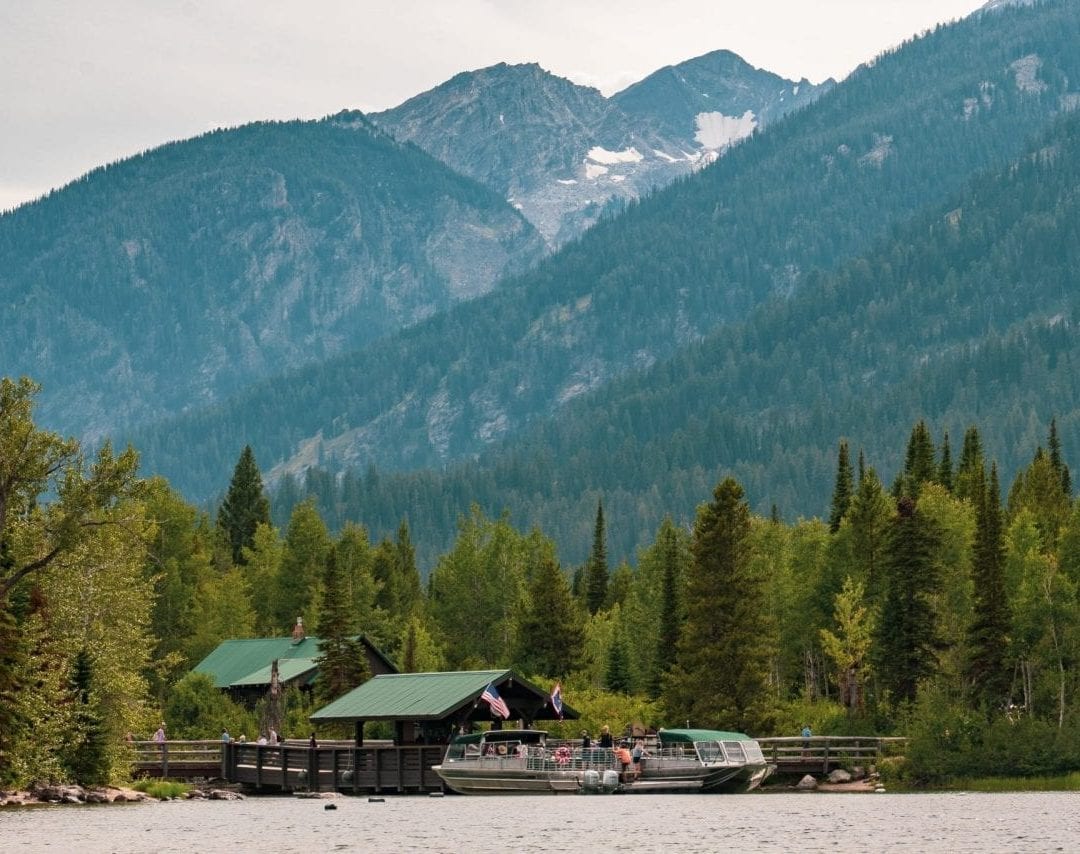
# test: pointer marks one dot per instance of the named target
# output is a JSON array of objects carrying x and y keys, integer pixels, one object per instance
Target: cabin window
[
  {"x": 710, "y": 751},
  {"x": 735, "y": 751}
]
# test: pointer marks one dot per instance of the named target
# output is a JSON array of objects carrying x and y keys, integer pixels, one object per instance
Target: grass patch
[
  {"x": 163, "y": 790},
  {"x": 1061, "y": 783}
]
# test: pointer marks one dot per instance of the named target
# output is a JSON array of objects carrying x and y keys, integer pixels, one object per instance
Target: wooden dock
[
  {"x": 335, "y": 767},
  {"x": 377, "y": 768},
  {"x": 177, "y": 760},
  {"x": 821, "y": 754}
]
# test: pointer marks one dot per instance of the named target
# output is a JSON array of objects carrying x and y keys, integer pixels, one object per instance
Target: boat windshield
[
  {"x": 710, "y": 751},
  {"x": 735, "y": 751}
]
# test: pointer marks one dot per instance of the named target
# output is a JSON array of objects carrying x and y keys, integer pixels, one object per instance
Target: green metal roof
[
  {"x": 409, "y": 696},
  {"x": 235, "y": 660},
  {"x": 288, "y": 670},
  {"x": 435, "y": 696},
  {"x": 685, "y": 736},
  {"x": 238, "y": 663}
]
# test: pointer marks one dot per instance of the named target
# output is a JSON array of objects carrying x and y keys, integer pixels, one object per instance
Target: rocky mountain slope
[
  {"x": 807, "y": 194},
  {"x": 164, "y": 282},
  {"x": 563, "y": 153}
]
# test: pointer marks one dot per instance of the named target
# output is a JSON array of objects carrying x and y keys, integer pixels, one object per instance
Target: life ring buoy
[{"x": 562, "y": 755}]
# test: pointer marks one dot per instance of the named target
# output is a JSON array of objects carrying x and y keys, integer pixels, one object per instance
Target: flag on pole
[
  {"x": 556, "y": 699},
  {"x": 497, "y": 703}
]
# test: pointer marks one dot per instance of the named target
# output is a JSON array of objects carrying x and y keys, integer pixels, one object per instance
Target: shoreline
[{"x": 71, "y": 794}]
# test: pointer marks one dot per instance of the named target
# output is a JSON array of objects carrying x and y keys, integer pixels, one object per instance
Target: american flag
[
  {"x": 497, "y": 703},
  {"x": 556, "y": 699}
]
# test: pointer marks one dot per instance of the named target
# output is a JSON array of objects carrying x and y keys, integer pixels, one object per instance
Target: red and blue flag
[
  {"x": 497, "y": 703},
  {"x": 556, "y": 699}
]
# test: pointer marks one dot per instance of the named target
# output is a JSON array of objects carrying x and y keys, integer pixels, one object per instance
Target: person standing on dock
[
  {"x": 159, "y": 736},
  {"x": 807, "y": 733},
  {"x": 312, "y": 743}
]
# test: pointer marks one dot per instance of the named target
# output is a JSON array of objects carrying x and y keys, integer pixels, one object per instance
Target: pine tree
[
  {"x": 919, "y": 465},
  {"x": 945, "y": 471},
  {"x": 906, "y": 641},
  {"x": 550, "y": 634},
  {"x": 870, "y": 517},
  {"x": 409, "y": 588},
  {"x": 842, "y": 491},
  {"x": 617, "y": 677},
  {"x": 722, "y": 663},
  {"x": 971, "y": 473},
  {"x": 89, "y": 760},
  {"x": 245, "y": 506},
  {"x": 342, "y": 662},
  {"x": 296, "y": 588},
  {"x": 596, "y": 571},
  {"x": 1057, "y": 461},
  {"x": 670, "y": 605},
  {"x": 987, "y": 670}
]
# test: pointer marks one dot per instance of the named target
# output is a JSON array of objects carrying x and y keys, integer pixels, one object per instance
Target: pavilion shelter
[{"x": 429, "y": 708}]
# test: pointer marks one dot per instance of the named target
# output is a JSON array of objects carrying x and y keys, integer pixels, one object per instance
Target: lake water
[{"x": 571, "y": 823}]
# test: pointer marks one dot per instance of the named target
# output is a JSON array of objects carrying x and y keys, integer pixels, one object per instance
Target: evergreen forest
[{"x": 942, "y": 604}]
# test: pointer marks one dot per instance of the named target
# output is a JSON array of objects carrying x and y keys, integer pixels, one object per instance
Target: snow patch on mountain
[
  {"x": 716, "y": 131},
  {"x": 599, "y": 154},
  {"x": 594, "y": 170}
]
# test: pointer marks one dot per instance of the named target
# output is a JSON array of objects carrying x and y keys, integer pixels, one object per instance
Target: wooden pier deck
[
  {"x": 178, "y": 760},
  {"x": 382, "y": 767},
  {"x": 337, "y": 766},
  {"x": 821, "y": 754}
]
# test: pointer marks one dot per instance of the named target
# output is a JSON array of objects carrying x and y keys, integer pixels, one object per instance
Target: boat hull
[
  {"x": 668, "y": 778},
  {"x": 473, "y": 780}
]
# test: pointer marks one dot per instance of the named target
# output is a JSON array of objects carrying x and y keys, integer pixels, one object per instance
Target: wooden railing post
[{"x": 313, "y": 769}]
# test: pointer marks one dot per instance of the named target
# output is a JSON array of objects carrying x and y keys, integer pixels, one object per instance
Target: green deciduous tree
[
  {"x": 477, "y": 590},
  {"x": 850, "y": 645},
  {"x": 988, "y": 635}
]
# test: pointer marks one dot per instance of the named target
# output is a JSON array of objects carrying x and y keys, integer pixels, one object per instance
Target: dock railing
[
  {"x": 823, "y": 753},
  {"x": 178, "y": 759}
]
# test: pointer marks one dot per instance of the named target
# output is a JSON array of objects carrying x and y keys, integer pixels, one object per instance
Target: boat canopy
[
  {"x": 690, "y": 736},
  {"x": 524, "y": 736}
]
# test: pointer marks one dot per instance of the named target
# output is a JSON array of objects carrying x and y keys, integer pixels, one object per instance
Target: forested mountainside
[
  {"x": 811, "y": 192},
  {"x": 564, "y": 153},
  {"x": 968, "y": 314},
  {"x": 168, "y": 280}
]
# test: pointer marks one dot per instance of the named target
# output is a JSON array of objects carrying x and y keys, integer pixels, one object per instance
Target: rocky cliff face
[{"x": 563, "y": 154}]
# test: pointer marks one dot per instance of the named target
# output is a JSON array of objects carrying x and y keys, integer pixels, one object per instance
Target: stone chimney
[{"x": 298, "y": 630}]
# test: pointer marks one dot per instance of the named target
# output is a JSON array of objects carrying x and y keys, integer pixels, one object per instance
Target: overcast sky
[{"x": 86, "y": 82}]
